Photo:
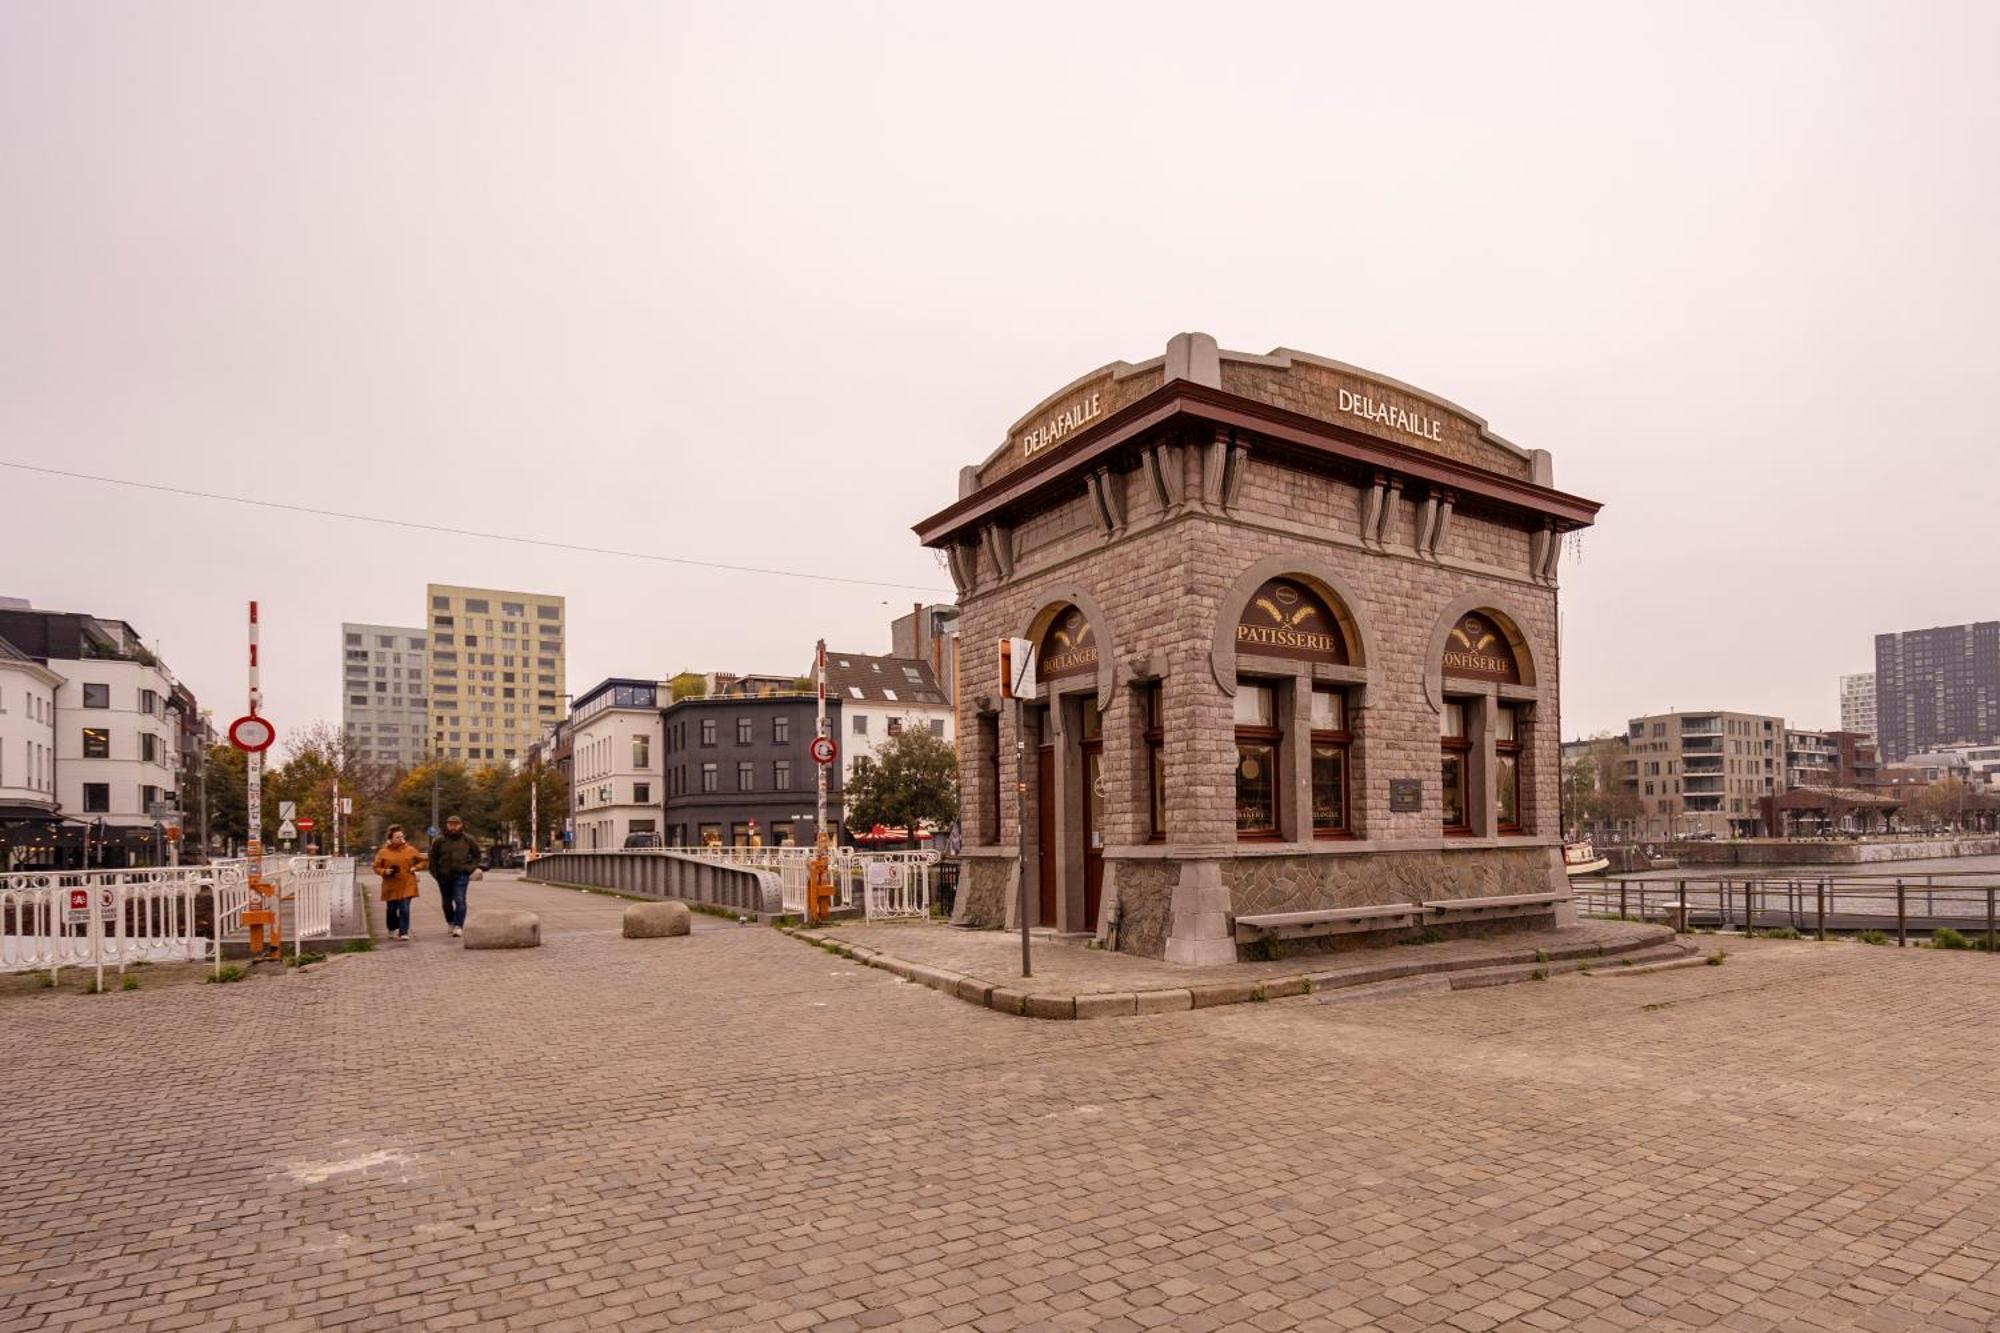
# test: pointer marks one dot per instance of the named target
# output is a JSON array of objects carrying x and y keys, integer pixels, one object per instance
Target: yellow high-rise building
[{"x": 496, "y": 671}]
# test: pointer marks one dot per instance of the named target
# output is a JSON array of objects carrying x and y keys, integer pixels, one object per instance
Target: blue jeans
[
  {"x": 452, "y": 890},
  {"x": 399, "y": 915}
]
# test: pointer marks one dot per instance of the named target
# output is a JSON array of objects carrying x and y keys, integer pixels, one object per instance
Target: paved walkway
[{"x": 737, "y": 1131}]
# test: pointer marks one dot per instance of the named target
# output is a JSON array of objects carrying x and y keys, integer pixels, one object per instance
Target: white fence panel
[
  {"x": 75, "y": 918},
  {"x": 884, "y": 885}
]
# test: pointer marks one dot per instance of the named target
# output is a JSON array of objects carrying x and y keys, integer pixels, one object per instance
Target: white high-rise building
[
  {"x": 384, "y": 702},
  {"x": 1857, "y": 703}
]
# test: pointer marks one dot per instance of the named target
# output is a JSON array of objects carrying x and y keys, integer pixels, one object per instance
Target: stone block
[
  {"x": 1278, "y": 988},
  {"x": 1006, "y": 1000},
  {"x": 502, "y": 928},
  {"x": 652, "y": 921},
  {"x": 1052, "y": 1006},
  {"x": 973, "y": 989},
  {"x": 1120, "y": 1004},
  {"x": 1162, "y": 1001},
  {"x": 936, "y": 978},
  {"x": 1222, "y": 992}
]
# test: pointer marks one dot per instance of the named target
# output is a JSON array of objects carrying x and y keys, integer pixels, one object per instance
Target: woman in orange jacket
[{"x": 398, "y": 863}]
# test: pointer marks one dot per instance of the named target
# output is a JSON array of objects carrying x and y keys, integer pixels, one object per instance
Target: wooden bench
[
  {"x": 1445, "y": 910},
  {"x": 1327, "y": 921}
]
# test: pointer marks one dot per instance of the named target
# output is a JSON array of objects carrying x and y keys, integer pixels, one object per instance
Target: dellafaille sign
[{"x": 1062, "y": 425}]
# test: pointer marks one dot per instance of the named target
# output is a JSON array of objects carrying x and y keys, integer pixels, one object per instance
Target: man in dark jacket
[{"x": 454, "y": 861}]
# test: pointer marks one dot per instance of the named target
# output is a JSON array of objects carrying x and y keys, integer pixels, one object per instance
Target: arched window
[
  {"x": 1293, "y": 731},
  {"x": 1481, "y": 736}
]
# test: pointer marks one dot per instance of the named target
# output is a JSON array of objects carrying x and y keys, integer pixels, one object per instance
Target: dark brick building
[{"x": 741, "y": 761}]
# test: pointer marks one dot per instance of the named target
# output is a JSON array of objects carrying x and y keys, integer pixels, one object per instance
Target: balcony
[
  {"x": 1701, "y": 745},
  {"x": 1701, "y": 726},
  {"x": 1693, "y": 765}
]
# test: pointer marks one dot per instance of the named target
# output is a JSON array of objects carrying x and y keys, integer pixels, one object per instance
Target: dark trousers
[
  {"x": 452, "y": 890},
  {"x": 398, "y": 912}
]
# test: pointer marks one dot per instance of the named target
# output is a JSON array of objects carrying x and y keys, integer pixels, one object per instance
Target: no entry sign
[{"x": 307, "y": 823}]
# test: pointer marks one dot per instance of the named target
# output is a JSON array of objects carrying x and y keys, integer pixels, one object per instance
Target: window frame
[
  {"x": 1341, "y": 741},
  {"x": 1507, "y": 771},
  {"x": 1457, "y": 747},
  {"x": 1260, "y": 735},
  {"x": 1153, "y": 738}
]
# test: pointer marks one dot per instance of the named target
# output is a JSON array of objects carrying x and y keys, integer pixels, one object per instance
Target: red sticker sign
[{"x": 824, "y": 750}]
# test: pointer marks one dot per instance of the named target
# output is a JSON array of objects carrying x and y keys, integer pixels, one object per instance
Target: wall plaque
[{"x": 1406, "y": 795}]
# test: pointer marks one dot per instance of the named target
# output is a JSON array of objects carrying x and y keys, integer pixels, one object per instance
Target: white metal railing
[
  {"x": 885, "y": 885},
  {"x": 316, "y": 885},
  {"x": 97, "y": 918}
]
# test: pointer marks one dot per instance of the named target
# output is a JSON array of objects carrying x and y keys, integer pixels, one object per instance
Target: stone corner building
[{"x": 1297, "y": 651}]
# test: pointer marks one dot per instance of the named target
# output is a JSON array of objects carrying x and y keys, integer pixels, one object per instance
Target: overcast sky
[{"x": 750, "y": 283}]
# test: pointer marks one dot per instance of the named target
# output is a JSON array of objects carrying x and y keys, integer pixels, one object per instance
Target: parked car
[{"x": 644, "y": 841}]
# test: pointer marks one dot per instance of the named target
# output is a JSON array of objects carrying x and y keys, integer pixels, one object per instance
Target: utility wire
[{"x": 468, "y": 532}]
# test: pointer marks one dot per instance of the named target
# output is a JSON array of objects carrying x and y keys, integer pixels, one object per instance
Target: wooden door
[{"x": 1045, "y": 809}]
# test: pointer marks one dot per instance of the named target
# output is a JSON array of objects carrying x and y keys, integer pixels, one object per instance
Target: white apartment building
[
  {"x": 27, "y": 753},
  {"x": 1857, "y": 704},
  {"x": 616, "y": 763},
  {"x": 384, "y": 713},
  {"x": 879, "y": 697}
]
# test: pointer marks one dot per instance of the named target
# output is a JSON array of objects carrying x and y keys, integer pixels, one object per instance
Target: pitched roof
[{"x": 857, "y": 676}]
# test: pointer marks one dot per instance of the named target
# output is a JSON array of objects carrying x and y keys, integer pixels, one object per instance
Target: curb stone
[{"x": 1398, "y": 978}]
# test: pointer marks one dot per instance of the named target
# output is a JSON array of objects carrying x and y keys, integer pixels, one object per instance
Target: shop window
[
  {"x": 1153, "y": 734},
  {"x": 1507, "y": 770},
  {"x": 1331, "y": 740},
  {"x": 1456, "y": 772},
  {"x": 1257, "y": 737},
  {"x": 711, "y": 835}
]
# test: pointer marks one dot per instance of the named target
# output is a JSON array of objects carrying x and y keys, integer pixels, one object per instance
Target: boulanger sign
[{"x": 1068, "y": 648}]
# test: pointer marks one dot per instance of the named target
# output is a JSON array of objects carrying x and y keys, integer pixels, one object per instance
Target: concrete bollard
[
  {"x": 651, "y": 921},
  {"x": 498, "y": 928}
]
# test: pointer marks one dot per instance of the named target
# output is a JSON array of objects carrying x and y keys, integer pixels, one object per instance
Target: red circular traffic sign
[
  {"x": 251, "y": 733},
  {"x": 824, "y": 750}
]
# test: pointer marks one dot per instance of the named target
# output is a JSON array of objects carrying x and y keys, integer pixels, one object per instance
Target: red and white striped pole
[{"x": 254, "y": 770}]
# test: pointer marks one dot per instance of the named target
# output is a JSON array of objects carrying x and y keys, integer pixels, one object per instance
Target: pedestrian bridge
[{"x": 759, "y": 881}]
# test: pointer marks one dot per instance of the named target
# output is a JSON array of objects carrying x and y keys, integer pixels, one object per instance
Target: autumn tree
[{"x": 911, "y": 780}]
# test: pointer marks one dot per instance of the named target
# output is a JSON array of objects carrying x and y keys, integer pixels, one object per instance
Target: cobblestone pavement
[
  {"x": 735, "y": 1130},
  {"x": 1069, "y": 964}
]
